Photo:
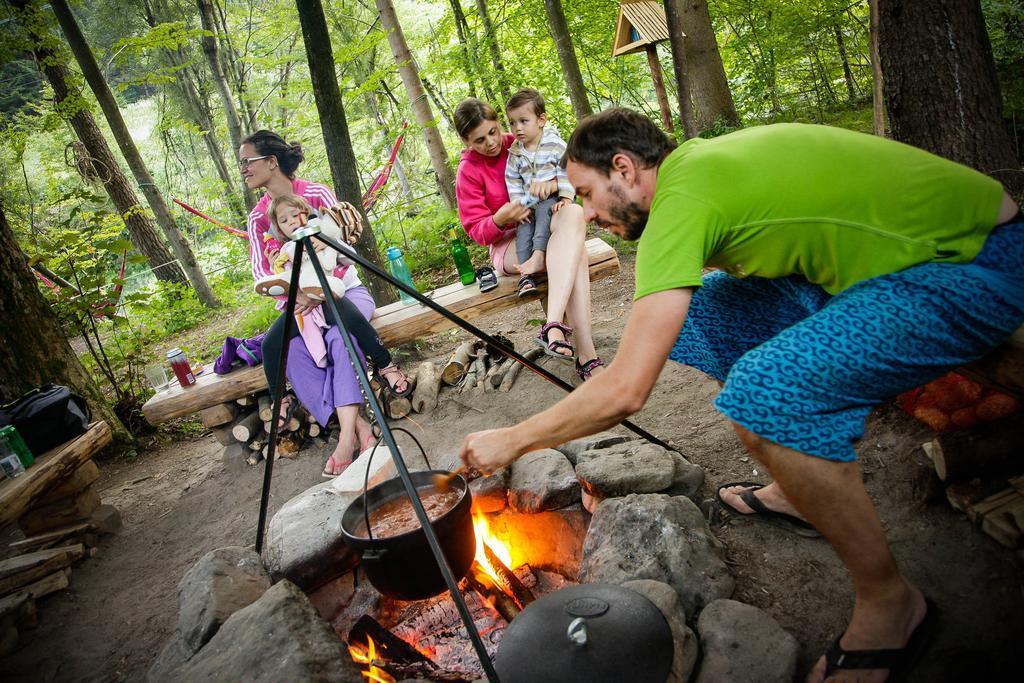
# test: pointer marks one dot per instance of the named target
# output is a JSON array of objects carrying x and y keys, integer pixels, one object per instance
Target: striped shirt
[{"x": 524, "y": 167}]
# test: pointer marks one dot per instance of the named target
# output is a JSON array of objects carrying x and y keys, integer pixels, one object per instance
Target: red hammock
[
  {"x": 368, "y": 199},
  {"x": 97, "y": 308}
]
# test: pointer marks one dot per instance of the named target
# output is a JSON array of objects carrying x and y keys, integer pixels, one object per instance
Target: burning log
[
  {"x": 393, "y": 648},
  {"x": 507, "y": 579},
  {"x": 491, "y": 593}
]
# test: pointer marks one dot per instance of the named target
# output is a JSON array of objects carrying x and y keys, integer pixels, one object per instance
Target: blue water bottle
[{"x": 400, "y": 271}]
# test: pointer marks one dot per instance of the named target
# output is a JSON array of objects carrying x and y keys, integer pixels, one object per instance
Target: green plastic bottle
[{"x": 465, "y": 267}]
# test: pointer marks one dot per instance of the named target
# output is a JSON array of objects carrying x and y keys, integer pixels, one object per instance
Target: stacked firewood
[{"x": 243, "y": 428}]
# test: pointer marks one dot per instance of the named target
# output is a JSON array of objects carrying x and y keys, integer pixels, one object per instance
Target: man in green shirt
[{"x": 851, "y": 268}]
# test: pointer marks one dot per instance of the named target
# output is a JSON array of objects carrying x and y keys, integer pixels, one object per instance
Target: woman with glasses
[{"x": 267, "y": 161}]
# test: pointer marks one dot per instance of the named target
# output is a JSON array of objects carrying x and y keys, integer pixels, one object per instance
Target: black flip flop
[
  {"x": 779, "y": 519},
  {"x": 899, "y": 661}
]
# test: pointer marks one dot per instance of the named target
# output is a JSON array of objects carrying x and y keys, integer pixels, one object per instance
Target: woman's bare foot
[
  {"x": 534, "y": 264},
  {"x": 366, "y": 435},
  {"x": 885, "y": 622},
  {"x": 342, "y": 457},
  {"x": 771, "y": 496}
]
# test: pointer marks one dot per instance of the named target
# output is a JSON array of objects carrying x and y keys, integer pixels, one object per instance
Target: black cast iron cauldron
[{"x": 403, "y": 567}]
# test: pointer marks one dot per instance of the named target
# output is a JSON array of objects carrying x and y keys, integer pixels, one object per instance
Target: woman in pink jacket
[{"x": 491, "y": 219}]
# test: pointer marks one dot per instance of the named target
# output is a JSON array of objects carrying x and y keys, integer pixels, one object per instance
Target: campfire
[{"x": 426, "y": 638}]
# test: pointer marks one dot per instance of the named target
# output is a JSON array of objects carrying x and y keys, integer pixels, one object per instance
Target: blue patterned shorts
[{"x": 803, "y": 369}]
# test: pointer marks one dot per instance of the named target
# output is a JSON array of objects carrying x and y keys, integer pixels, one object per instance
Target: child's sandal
[
  {"x": 553, "y": 348},
  {"x": 527, "y": 286}
]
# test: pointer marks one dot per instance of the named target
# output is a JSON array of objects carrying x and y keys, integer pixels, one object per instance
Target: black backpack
[{"x": 47, "y": 417}]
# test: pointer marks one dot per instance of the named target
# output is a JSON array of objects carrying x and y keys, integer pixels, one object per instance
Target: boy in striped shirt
[{"x": 534, "y": 178}]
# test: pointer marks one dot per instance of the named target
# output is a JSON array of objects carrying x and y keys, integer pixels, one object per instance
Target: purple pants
[{"x": 321, "y": 390}]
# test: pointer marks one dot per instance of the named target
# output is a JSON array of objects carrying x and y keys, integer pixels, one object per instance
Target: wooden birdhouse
[
  {"x": 640, "y": 27},
  {"x": 641, "y": 23}
]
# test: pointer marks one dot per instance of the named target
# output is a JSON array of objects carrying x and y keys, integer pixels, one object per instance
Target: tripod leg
[{"x": 268, "y": 465}]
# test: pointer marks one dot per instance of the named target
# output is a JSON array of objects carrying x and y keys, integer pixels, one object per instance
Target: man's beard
[{"x": 628, "y": 214}]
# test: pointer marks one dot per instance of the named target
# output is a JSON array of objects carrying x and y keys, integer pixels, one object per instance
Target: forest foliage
[{"x": 786, "y": 60}]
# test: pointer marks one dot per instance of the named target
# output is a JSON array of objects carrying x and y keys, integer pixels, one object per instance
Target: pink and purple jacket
[
  {"x": 319, "y": 197},
  {"x": 480, "y": 191}
]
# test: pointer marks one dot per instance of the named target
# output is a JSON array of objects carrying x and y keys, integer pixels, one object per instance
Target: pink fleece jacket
[{"x": 480, "y": 190}]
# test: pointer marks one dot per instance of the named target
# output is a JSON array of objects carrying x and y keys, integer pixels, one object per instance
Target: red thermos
[{"x": 181, "y": 368}]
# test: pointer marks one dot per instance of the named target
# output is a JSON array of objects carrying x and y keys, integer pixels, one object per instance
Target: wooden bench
[
  {"x": 396, "y": 323},
  {"x": 44, "y": 479}
]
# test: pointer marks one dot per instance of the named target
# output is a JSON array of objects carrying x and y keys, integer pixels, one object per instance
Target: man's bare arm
[{"x": 603, "y": 401}]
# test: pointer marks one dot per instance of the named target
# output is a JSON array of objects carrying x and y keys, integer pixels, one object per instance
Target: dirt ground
[{"x": 180, "y": 500}]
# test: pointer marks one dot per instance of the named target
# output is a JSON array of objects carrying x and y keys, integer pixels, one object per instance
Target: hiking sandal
[
  {"x": 391, "y": 371},
  {"x": 527, "y": 286},
  {"x": 486, "y": 278},
  {"x": 587, "y": 369},
  {"x": 552, "y": 348}
]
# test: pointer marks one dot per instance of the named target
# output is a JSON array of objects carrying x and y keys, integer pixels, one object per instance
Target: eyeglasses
[{"x": 245, "y": 161}]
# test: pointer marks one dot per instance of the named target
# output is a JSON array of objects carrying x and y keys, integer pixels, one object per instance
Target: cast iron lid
[{"x": 591, "y": 632}]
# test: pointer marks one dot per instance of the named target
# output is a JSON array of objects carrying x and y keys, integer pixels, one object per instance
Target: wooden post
[{"x": 659, "y": 87}]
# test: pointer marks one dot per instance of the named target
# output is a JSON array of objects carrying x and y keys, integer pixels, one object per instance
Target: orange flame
[
  {"x": 497, "y": 546},
  {"x": 368, "y": 655}
]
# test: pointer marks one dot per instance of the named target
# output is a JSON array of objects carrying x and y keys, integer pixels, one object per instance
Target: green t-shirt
[{"x": 835, "y": 206}]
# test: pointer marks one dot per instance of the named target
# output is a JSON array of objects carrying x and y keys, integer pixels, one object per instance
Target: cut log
[
  {"x": 457, "y": 366},
  {"x": 289, "y": 445},
  {"x": 21, "y": 563},
  {"x": 57, "y": 581},
  {"x": 60, "y": 513},
  {"x": 247, "y": 426},
  {"x": 106, "y": 519},
  {"x": 389, "y": 645},
  {"x": 507, "y": 579},
  {"x": 493, "y": 378},
  {"x": 396, "y": 407},
  {"x": 52, "y": 468},
  {"x": 489, "y": 591},
  {"x": 220, "y": 414},
  {"x": 476, "y": 373},
  {"x": 79, "y": 480},
  {"x": 13, "y": 582},
  {"x": 988, "y": 448},
  {"x": 266, "y": 407},
  {"x": 513, "y": 372},
  {"x": 18, "y": 610},
  {"x": 223, "y": 435},
  {"x": 246, "y": 401},
  {"x": 428, "y": 383},
  {"x": 314, "y": 429},
  {"x": 45, "y": 540},
  {"x": 1002, "y": 517}
]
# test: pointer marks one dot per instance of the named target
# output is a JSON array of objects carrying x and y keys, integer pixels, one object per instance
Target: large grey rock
[
  {"x": 686, "y": 479},
  {"x": 654, "y": 536},
  {"x": 304, "y": 542},
  {"x": 742, "y": 643},
  {"x": 222, "y": 582},
  {"x": 174, "y": 654},
  {"x": 542, "y": 480},
  {"x": 277, "y": 638},
  {"x": 634, "y": 467},
  {"x": 490, "y": 494},
  {"x": 572, "y": 449},
  {"x": 667, "y": 601}
]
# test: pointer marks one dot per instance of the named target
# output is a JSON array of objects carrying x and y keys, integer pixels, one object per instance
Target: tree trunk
[
  {"x": 197, "y": 111},
  {"x": 941, "y": 89},
  {"x": 66, "y": 97},
  {"x": 880, "y": 120},
  {"x": 492, "y": 45},
  {"x": 567, "y": 57},
  {"x": 91, "y": 70},
  {"x": 213, "y": 58},
  {"x": 334, "y": 127},
  {"x": 234, "y": 69},
  {"x": 421, "y": 108},
  {"x": 35, "y": 348},
  {"x": 677, "y": 41},
  {"x": 463, "y": 32},
  {"x": 709, "y": 88},
  {"x": 851, "y": 85}
]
